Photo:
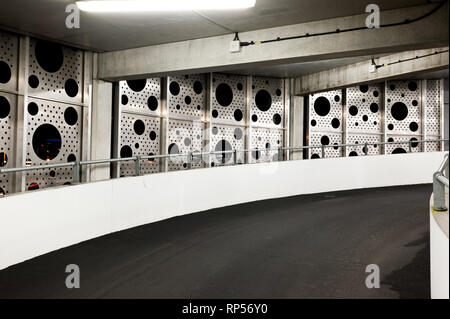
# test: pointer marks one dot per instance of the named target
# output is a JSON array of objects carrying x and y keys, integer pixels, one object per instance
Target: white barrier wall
[
  {"x": 439, "y": 259},
  {"x": 34, "y": 223}
]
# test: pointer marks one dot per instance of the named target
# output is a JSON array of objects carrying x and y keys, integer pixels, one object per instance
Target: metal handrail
[
  {"x": 190, "y": 156},
  {"x": 440, "y": 180}
]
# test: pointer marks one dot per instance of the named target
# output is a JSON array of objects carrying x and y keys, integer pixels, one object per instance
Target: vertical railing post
[
  {"x": 280, "y": 154},
  {"x": 410, "y": 146},
  {"x": 438, "y": 194},
  {"x": 323, "y": 151},
  {"x": 366, "y": 148},
  {"x": 76, "y": 172},
  {"x": 189, "y": 161},
  {"x": 137, "y": 166},
  {"x": 235, "y": 160}
]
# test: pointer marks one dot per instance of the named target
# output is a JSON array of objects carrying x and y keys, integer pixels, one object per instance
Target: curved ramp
[{"x": 309, "y": 246}]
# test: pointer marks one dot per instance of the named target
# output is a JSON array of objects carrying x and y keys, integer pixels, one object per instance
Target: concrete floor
[{"x": 313, "y": 246}]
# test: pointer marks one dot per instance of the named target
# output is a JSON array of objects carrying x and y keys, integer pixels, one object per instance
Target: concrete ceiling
[{"x": 109, "y": 32}]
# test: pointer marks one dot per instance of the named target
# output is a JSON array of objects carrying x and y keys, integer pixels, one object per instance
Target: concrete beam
[
  {"x": 358, "y": 73},
  {"x": 212, "y": 54}
]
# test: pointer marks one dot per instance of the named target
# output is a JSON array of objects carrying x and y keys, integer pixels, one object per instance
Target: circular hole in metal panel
[
  {"x": 224, "y": 94},
  {"x": 46, "y": 142},
  {"x": 49, "y": 55},
  {"x": 71, "y": 87},
  {"x": 223, "y": 145},
  {"x": 263, "y": 100},
  {"x": 126, "y": 151},
  {"x": 70, "y": 116},
  {"x": 137, "y": 85},
  {"x": 33, "y": 81},
  {"x": 139, "y": 127},
  {"x": 5, "y": 72},
  {"x": 399, "y": 111},
  {"x": 5, "y": 107}
]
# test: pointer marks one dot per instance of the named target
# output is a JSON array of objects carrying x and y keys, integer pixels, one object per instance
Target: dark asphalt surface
[{"x": 310, "y": 246}]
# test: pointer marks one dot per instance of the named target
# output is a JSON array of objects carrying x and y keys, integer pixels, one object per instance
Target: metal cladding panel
[
  {"x": 403, "y": 108},
  {"x": 363, "y": 109},
  {"x": 403, "y": 147},
  {"x": 263, "y": 142},
  {"x": 53, "y": 136},
  {"x": 187, "y": 96},
  {"x": 9, "y": 52},
  {"x": 227, "y": 138},
  {"x": 142, "y": 96},
  {"x": 433, "y": 116},
  {"x": 325, "y": 110},
  {"x": 325, "y": 123},
  {"x": 55, "y": 72},
  {"x": 139, "y": 136},
  {"x": 8, "y": 117},
  {"x": 228, "y": 98},
  {"x": 361, "y": 139},
  {"x": 325, "y": 139},
  {"x": 267, "y": 102},
  {"x": 185, "y": 137}
]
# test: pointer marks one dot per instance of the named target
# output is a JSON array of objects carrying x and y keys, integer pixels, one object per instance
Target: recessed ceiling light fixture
[{"x": 162, "y": 5}]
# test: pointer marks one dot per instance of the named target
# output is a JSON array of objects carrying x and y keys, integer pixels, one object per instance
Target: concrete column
[
  {"x": 86, "y": 114},
  {"x": 101, "y": 124},
  {"x": 296, "y": 125}
]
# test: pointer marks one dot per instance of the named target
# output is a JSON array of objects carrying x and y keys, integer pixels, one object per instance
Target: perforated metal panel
[
  {"x": 433, "y": 114},
  {"x": 263, "y": 139},
  {"x": 183, "y": 100},
  {"x": 226, "y": 138},
  {"x": 267, "y": 103},
  {"x": 8, "y": 117},
  {"x": 404, "y": 147},
  {"x": 361, "y": 139},
  {"x": 55, "y": 72},
  {"x": 326, "y": 139},
  {"x": 185, "y": 137},
  {"x": 143, "y": 96},
  {"x": 325, "y": 123},
  {"x": 325, "y": 111},
  {"x": 140, "y": 135},
  {"x": 432, "y": 146},
  {"x": 403, "y": 108},
  {"x": 9, "y": 46},
  {"x": 52, "y": 115},
  {"x": 228, "y": 98},
  {"x": 363, "y": 113}
]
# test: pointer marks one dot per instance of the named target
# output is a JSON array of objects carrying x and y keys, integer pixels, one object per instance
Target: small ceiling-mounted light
[{"x": 162, "y": 5}]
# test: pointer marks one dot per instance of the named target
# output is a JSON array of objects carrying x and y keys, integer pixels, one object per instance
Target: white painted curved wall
[
  {"x": 38, "y": 222},
  {"x": 439, "y": 260}
]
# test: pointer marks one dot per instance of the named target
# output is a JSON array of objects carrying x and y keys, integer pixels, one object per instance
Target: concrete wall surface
[{"x": 38, "y": 222}]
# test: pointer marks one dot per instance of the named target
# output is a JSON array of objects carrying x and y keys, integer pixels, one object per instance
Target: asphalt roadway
[{"x": 309, "y": 246}]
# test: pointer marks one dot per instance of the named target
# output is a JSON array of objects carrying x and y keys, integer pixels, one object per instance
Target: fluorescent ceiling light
[{"x": 162, "y": 5}]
